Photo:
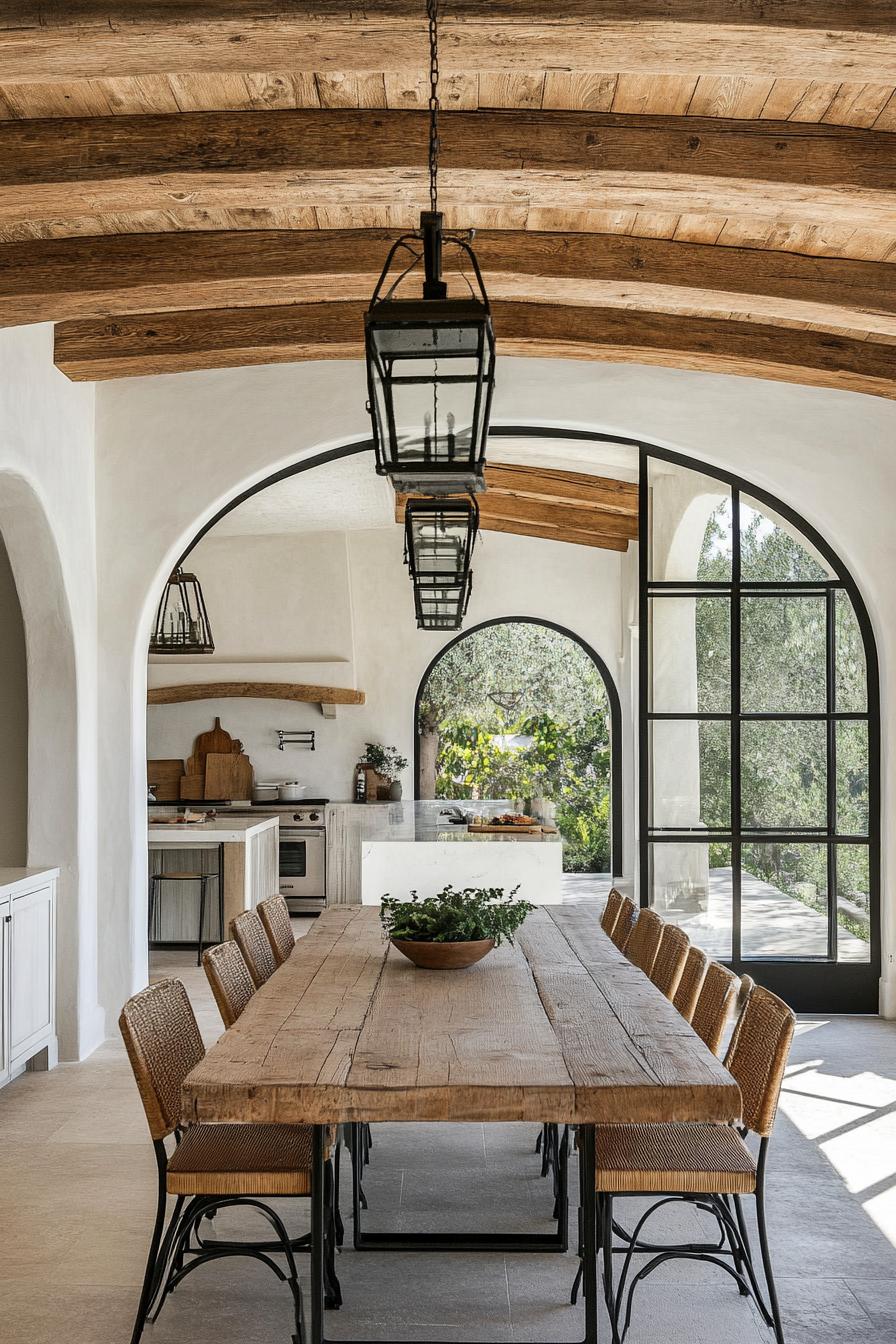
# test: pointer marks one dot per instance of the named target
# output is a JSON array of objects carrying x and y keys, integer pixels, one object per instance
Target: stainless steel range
[{"x": 303, "y": 851}]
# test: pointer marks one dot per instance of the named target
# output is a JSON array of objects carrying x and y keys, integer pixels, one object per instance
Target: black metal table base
[{"x": 462, "y": 1242}]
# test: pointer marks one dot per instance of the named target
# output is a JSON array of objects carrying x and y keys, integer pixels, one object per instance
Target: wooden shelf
[{"x": 329, "y": 696}]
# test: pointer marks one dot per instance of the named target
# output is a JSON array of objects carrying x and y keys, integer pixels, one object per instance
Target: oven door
[{"x": 303, "y": 867}]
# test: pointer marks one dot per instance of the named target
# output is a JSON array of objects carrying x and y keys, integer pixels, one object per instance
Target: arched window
[{"x": 759, "y": 815}]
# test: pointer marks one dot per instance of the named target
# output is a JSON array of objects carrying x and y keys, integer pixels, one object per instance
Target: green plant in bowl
[{"x": 454, "y": 928}]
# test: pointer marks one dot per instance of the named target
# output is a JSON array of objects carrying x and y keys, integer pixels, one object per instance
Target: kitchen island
[
  {"x": 394, "y": 848},
  {"x": 244, "y": 851}
]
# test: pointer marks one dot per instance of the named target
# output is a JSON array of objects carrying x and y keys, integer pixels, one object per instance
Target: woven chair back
[
  {"x": 744, "y": 990},
  {"x": 644, "y": 943},
  {"x": 625, "y": 922},
  {"x": 248, "y": 933},
  {"x": 714, "y": 1005},
  {"x": 670, "y": 959},
  {"x": 163, "y": 1044},
  {"x": 691, "y": 982},
  {"x": 274, "y": 914},
  {"x": 611, "y": 911},
  {"x": 757, "y": 1057},
  {"x": 230, "y": 980}
]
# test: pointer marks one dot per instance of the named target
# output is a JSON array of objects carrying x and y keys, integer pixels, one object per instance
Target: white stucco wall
[
  {"x": 172, "y": 450},
  {"x": 347, "y": 596},
  {"x": 13, "y": 721},
  {"x": 47, "y": 523}
]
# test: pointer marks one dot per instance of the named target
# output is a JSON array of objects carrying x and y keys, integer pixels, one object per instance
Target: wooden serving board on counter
[{"x": 482, "y": 828}]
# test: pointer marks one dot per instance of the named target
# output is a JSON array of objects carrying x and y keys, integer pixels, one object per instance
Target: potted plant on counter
[
  {"x": 453, "y": 928},
  {"x": 388, "y": 763}
]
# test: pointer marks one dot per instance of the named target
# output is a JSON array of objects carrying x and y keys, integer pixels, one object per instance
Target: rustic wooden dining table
[{"x": 558, "y": 1027}]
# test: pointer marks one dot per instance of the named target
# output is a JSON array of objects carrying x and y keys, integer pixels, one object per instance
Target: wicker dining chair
[
  {"x": 714, "y": 1005},
  {"x": 211, "y": 1166},
  {"x": 230, "y": 981},
  {"x": 644, "y": 942},
  {"x": 625, "y": 922},
  {"x": 274, "y": 914},
  {"x": 668, "y": 967},
  {"x": 742, "y": 998},
  {"x": 691, "y": 982},
  {"x": 248, "y": 933},
  {"x": 708, "y": 1165},
  {"x": 611, "y": 911}
]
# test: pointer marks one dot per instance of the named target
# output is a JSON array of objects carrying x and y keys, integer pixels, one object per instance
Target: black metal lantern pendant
[
  {"x": 430, "y": 360},
  {"x": 439, "y": 538},
  {"x": 182, "y": 624}
]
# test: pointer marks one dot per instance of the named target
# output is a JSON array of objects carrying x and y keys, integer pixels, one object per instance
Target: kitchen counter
[
  {"x": 379, "y": 848},
  {"x": 220, "y": 831},
  {"x": 242, "y": 851},
  {"x": 421, "y": 823}
]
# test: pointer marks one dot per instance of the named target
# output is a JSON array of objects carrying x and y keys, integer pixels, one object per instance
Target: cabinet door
[
  {"x": 31, "y": 978},
  {"x": 4, "y": 988}
]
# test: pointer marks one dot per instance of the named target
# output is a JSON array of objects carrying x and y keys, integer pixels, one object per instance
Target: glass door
[{"x": 759, "y": 739}]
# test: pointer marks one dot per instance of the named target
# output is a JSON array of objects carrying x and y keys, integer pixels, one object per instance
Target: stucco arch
[{"x": 58, "y": 830}]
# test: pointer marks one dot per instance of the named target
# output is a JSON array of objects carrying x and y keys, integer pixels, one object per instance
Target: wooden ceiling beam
[
  {"x": 225, "y": 338},
  {"x": 547, "y": 533},
  {"x": 562, "y": 487},
  {"x": 543, "y": 513},
  {"x": 548, "y": 529},
  {"x": 60, "y": 279},
  {"x": 314, "y": 158},
  {"x": 92, "y": 39}
]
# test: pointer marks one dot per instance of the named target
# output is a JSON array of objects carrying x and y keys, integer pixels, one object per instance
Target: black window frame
[{"x": 854, "y": 987}]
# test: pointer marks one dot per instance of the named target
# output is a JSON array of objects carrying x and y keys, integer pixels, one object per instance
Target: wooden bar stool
[{"x": 203, "y": 879}]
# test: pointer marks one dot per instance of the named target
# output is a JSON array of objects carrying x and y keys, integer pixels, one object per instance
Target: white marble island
[{"x": 394, "y": 848}]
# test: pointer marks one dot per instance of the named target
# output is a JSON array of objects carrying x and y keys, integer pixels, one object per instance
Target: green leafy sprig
[{"x": 455, "y": 916}]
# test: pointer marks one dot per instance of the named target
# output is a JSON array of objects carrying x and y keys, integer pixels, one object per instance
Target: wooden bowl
[{"x": 444, "y": 956}]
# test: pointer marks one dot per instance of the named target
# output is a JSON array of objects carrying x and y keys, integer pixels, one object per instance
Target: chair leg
[
  {"x": 149, "y": 1277},
  {"x": 606, "y": 1231},
  {"x": 767, "y": 1259},
  {"x": 203, "y": 884}
]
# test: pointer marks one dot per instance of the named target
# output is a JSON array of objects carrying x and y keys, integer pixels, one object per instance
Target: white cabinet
[{"x": 27, "y": 970}]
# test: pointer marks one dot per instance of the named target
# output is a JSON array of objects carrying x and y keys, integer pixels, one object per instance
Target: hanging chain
[{"x": 432, "y": 11}]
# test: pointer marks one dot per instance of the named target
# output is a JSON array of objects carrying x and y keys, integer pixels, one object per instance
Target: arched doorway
[
  {"x": 523, "y": 706},
  {"x": 57, "y": 774}
]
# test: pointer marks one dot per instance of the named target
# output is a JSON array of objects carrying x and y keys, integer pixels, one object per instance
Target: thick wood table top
[{"x": 560, "y": 1027}]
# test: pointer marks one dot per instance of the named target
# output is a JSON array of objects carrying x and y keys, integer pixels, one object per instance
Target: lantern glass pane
[
  {"x": 430, "y": 387},
  {"x": 439, "y": 543}
]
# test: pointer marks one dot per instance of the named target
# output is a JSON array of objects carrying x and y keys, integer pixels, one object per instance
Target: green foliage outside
[
  {"x": 783, "y": 670},
  {"x": 455, "y": 916},
  {"x": 562, "y": 709}
]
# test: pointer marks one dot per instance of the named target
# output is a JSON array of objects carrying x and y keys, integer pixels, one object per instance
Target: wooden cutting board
[
  {"x": 166, "y": 776},
  {"x": 228, "y": 775},
  {"x": 217, "y": 740},
  {"x": 192, "y": 787}
]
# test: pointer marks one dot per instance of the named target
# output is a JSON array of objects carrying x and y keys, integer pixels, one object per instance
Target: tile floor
[{"x": 77, "y": 1184}]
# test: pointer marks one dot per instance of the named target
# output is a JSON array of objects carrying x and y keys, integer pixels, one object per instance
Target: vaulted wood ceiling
[{"x": 700, "y": 183}]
